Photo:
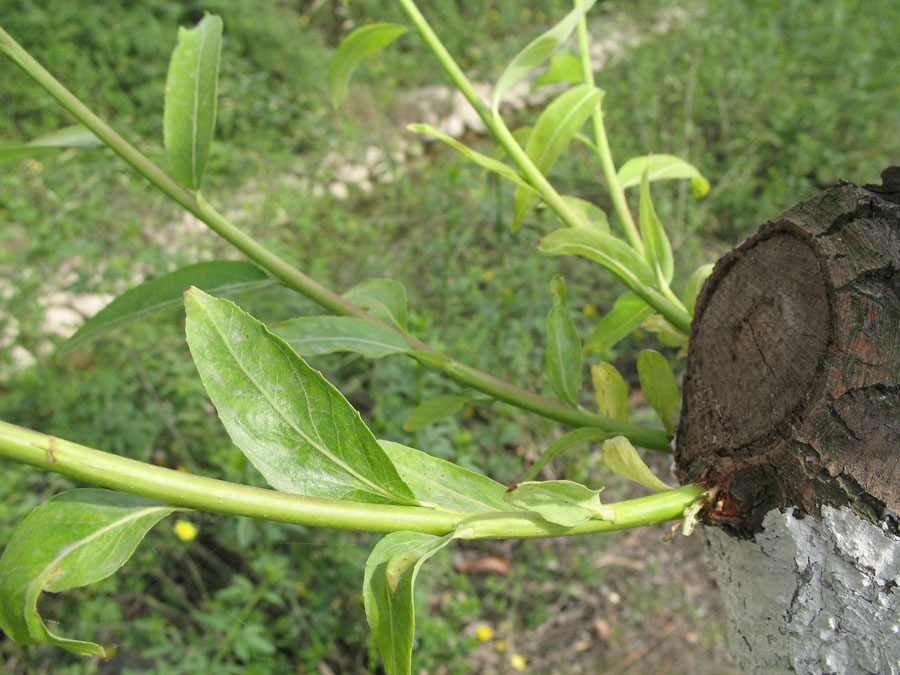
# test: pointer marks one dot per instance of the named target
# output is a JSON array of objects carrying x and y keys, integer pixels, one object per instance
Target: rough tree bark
[{"x": 792, "y": 410}]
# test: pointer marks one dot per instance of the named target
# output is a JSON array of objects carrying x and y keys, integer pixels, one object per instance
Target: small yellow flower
[
  {"x": 501, "y": 646},
  {"x": 304, "y": 20},
  {"x": 484, "y": 633},
  {"x": 589, "y": 311},
  {"x": 34, "y": 164},
  {"x": 518, "y": 662},
  {"x": 184, "y": 530},
  {"x": 488, "y": 275}
]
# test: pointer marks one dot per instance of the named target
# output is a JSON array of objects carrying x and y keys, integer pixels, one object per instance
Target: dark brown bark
[{"x": 792, "y": 390}]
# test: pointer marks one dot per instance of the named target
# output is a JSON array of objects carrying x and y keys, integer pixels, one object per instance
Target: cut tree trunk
[{"x": 792, "y": 411}]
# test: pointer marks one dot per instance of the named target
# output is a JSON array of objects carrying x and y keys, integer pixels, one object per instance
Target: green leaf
[
  {"x": 536, "y": 52},
  {"x": 489, "y": 163},
  {"x": 563, "y": 502},
  {"x": 694, "y": 284},
  {"x": 563, "y": 443},
  {"x": 75, "y": 136},
  {"x": 591, "y": 215},
  {"x": 666, "y": 333},
  {"x": 564, "y": 67},
  {"x": 222, "y": 277},
  {"x": 660, "y": 167},
  {"x": 388, "y": 594},
  {"x": 314, "y": 335},
  {"x": 658, "y": 386},
  {"x": 436, "y": 481},
  {"x": 73, "y": 539},
  {"x": 613, "y": 253},
  {"x": 625, "y": 316},
  {"x": 189, "y": 118},
  {"x": 433, "y": 411},
  {"x": 384, "y": 299},
  {"x": 552, "y": 133},
  {"x": 291, "y": 423},
  {"x": 564, "y": 360},
  {"x": 623, "y": 460},
  {"x": 657, "y": 249},
  {"x": 611, "y": 391},
  {"x": 361, "y": 43}
]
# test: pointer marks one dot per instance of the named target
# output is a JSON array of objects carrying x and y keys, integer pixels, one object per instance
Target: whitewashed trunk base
[{"x": 811, "y": 596}]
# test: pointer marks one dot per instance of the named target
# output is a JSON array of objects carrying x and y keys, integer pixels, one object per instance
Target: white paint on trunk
[{"x": 811, "y": 596}]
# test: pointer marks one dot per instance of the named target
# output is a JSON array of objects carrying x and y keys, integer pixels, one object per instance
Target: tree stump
[{"x": 792, "y": 410}]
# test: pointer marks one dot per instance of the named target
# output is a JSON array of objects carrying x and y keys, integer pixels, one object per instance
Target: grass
[{"x": 772, "y": 100}]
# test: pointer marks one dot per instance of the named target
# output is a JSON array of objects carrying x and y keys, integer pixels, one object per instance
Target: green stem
[
  {"x": 494, "y": 123},
  {"x": 653, "y": 439},
  {"x": 274, "y": 264},
  {"x": 616, "y": 191},
  {"x": 208, "y": 494}
]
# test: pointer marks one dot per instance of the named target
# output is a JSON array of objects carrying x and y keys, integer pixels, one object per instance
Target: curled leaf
[
  {"x": 390, "y": 578},
  {"x": 623, "y": 460},
  {"x": 73, "y": 539},
  {"x": 563, "y": 502},
  {"x": 361, "y": 43}
]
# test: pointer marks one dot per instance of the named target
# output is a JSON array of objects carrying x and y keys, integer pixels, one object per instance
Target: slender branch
[
  {"x": 280, "y": 268},
  {"x": 209, "y": 494},
  {"x": 494, "y": 123},
  {"x": 616, "y": 191}
]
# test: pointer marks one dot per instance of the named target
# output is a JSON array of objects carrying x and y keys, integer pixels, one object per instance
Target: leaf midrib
[{"x": 320, "y": 448}]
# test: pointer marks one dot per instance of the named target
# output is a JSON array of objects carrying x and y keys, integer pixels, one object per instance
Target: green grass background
[{"x": 772, "y": 100}]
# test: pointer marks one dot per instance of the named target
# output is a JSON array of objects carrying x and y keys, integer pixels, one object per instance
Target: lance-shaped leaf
[
  {"x": 694, "y": 284},
  {"x": 222, "y": 277},
  {"x": 563, "y": 443},
  {"x": 611, "y": 391},
  {"x": 624, "y": 317},
  {"x": 481, "y": 159},
  {"x": 384, "y": 299},
  {"x": 361, "y": 43},
  {"x": 657, "y": 249},
  {"x": 658, "y": 386},
  {"x": 564, "y": 360},
  {"x": 314, "y": 335},
  {"x": 291, "y": 423},
  {"x": 75, "y": 136},
  {"x": 537, "y": 52},
  {"x": 189, "y": 117},
  {"x": 444, "y": 484},
  {"x": 563, "y": 502},
  {"x": 552, "y": 133},
  {"x": 390, "y": 578},
  {"x": 590, "y": 215},
  {"x": 73, "y": 539},
  {"x": 662, "y": 167},
  {"x": 611, "y": 252},
  {"x": 623, "y": 460},
  {"x": 564, "y": 67}
]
